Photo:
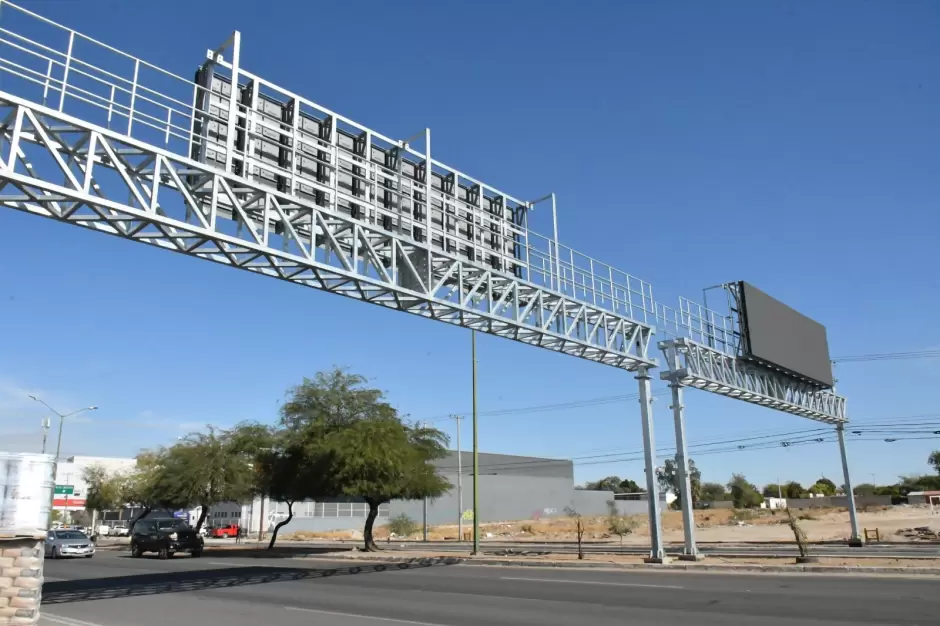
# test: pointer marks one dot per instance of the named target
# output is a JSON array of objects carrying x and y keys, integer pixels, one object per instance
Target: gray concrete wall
[
  {"x": 502, "y": 498},
  {"x": 837, "y": 502}
]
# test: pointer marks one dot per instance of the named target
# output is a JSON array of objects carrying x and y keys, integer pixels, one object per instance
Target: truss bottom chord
[
  {"x": 856, "y": 539},
  {"x": 690, "y": 551},
  {"x": 657, "y": 552}
]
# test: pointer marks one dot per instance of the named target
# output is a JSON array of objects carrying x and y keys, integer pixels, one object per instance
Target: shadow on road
[
  {"x": 83, "y": 590},
  {"x": 287, "y": 552}
]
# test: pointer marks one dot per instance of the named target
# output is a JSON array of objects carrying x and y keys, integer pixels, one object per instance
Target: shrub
[
  {"x": 402, "y": 526},
  {"x": 527, "y": 528}
]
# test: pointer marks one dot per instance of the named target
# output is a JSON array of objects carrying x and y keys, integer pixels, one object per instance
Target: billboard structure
[
  {"x": 760, "y": 351},
  {"x": 776, "y": 336}
]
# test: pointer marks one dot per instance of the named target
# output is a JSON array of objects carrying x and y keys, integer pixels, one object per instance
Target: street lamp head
[
  {"x": 33, "y": 397},
  {"x": 92, "y": 408}
]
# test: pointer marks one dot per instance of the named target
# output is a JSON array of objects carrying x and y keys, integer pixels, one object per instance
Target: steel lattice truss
[
  {"x": 117, "y": 185},
  {"x": 693, "y": 365}
]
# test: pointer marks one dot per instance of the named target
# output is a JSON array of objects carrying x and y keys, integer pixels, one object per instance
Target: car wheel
[
  {"x": 55, "y": 553},
  {"x": 164, "y": 553},
  {"x": 88, "y": 556},
  {"x": 197, "y": 553},
  {"x": 136, "y": 552}
]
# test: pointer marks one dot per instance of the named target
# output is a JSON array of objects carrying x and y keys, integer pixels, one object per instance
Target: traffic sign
[{"x": 64, "y": 490}]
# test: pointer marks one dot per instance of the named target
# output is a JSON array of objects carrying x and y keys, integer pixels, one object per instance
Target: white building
[{"x": 71, "y": 489}]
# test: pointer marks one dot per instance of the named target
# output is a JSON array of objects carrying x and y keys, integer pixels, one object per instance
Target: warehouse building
[{"x": 511, "y": 488}]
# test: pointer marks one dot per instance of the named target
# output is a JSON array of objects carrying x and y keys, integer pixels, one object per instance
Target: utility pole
[
  {"x": 58, "y": 451},
  {"x": 46, "y": 423},
  {"x": 457, "y": 419},
  {"x": 779, "y": 489},
  {"x": 476, "y": 450}
]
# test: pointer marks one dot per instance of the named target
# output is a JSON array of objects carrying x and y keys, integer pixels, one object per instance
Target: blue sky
[{"x": 792, "y": 145}]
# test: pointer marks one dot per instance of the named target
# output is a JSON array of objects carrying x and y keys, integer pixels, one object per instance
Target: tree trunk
[
  {"x": 203, "y": 514},
  {"x": 290, "y": 516},
  {"x": 370, "y": 545},
  {"x": 147, "y": 510}
]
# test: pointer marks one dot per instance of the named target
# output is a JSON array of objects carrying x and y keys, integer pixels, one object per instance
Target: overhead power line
[{"x": 889, "y": 356}]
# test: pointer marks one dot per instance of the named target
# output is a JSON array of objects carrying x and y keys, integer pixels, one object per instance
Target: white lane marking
[
  {"x": 589, "y": 582},
  {"x": 237, "y": 564},
  {"x": 53, "y": 579},
  {"x": 378, "y": 619},
  {"x": 66, "y": 621}
]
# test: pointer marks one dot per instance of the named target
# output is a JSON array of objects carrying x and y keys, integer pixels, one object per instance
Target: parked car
[
  {"x": 229, "y": 530},
  {"x": 68, "y": 543},
  {"x": 165, "y": 537},
  {"x": 119, "y": 531}
]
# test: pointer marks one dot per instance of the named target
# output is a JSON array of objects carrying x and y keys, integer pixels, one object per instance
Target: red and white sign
[{"x": 71, "y": 503}]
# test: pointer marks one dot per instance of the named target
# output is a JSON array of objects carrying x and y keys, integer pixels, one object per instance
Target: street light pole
[
  {"x": 457, "y": 419},
  {"x": 58, "y": 448},
  {"x": 46, "y": 423}
]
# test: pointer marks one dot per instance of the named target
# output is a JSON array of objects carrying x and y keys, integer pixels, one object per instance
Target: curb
[{"x": 775, "y": 569}]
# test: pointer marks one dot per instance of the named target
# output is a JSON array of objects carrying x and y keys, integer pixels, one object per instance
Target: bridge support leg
[
  {"x": 657, "y": 553},
  {"x": 856, "y": 539},
  {"x": 690, "y": 551}
]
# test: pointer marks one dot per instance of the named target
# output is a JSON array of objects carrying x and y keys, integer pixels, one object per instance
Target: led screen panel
[{"x": 779, "y": 336}]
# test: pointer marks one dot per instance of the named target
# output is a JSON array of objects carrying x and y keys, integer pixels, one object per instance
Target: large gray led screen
[{"x": 778, "y": 335}]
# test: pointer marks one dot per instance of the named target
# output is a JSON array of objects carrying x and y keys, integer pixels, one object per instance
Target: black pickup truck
[{"x": 165, "y": 537}]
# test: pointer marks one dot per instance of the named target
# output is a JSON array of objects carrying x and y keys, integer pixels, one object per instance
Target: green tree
[
  {"x": 934, "y": 460},
  {"x": 668, "y": 477},
  {"x": 713, "y": 492},
  {"x": 824, "y": 486},
  {"x": 615, "y": 484},
  {"x": 380, "y": 460},
  {"x": 146, "y": 488},
  {"x": 104, "y": 492},
  {"x": 358, "y": 445},
  {"x": 866, "y": 489},
  {"x": 771, "y": 490},
  {"x": 793, "y": 489},
  {"x": 292, "y": 474},
  {"x": 744, "y": 494},
  {"x": 207, "y": 468}
]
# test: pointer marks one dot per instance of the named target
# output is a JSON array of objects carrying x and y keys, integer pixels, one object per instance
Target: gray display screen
[{"x": 778, "y": 335}]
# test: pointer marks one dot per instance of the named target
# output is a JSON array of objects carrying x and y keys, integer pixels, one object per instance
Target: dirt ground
[{"x": 716, "y": 525}]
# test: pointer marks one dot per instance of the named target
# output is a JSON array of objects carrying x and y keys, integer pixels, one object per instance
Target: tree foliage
[
  {"x": 618, "y": 524},
  {"x": 934, "y": 461},
  {"x": 771, "y": 490},
  {"x": 744, "y": 494},
  {"x": 713, "y": 492},
  {"x": 668, "y": 477},
  {"x": 105, "y": 491},
  {"x": 824, "y": 486},
  {"x": 793, "y": 489},
  {"x": 615, "y": 484}
]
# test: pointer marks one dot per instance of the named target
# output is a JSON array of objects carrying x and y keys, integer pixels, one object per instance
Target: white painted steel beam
[
  {"x": 163, "y": 199},
  {"x": 693, "y": 365}
]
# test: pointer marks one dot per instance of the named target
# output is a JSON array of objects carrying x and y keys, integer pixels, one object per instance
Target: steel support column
[
  {"x": 690, "y": 551},
  {"x": 856, "y": 539},
  {"x": 657, "y": 553}
]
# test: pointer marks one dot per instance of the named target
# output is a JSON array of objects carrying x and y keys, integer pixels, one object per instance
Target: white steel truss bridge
[{"x": 233, "y": 169}]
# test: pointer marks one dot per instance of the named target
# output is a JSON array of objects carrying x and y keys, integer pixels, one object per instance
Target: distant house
[{"x": 924, "y": 497}]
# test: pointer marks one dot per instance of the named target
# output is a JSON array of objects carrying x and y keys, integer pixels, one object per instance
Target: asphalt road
[{"x": 115, "y": 590}]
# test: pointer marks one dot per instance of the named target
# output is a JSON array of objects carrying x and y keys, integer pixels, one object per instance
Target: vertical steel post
[
  {"x": 690, "y": 551},
  {"x": 855, "y": 540},
  {"x": 657, "y": 553},
  {"x": 457, "y": 419},
  {"x": 425, "y": 506},
  {"x": 476, "y": 450},
  {"x": 557, "y": 249},
  {"x": 68, "y": 65},
  {"x": 233, "y": 101}
]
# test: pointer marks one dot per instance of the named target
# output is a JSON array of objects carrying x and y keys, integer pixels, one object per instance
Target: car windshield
[
  {"x": 69, "y": 534},
  {"x": 171, "y": 523}
]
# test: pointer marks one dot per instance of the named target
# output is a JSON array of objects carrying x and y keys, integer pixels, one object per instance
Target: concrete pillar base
[
  {"x": 656, "y": 561},
  {"x": 691, "y": 557},
  {"x": 856, "y": 542}
]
